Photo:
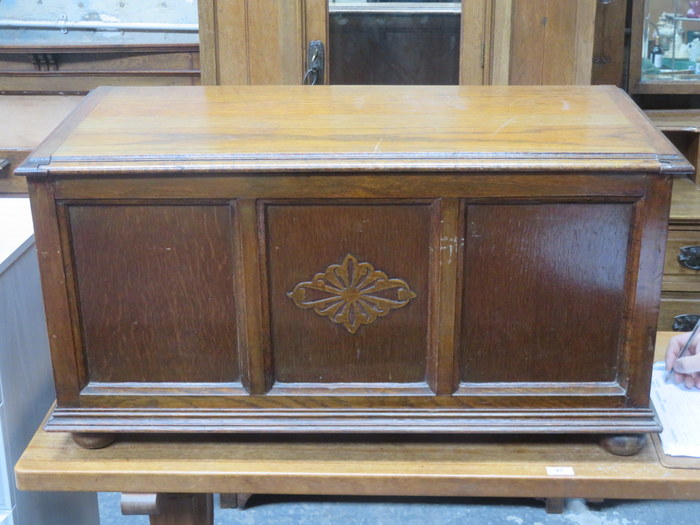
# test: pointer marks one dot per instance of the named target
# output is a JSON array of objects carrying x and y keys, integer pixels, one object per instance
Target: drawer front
[
  {"x": 674, "y": 304},
  {"x": 682, "y": 263}
]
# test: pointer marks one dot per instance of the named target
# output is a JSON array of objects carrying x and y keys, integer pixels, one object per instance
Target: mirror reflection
[{"x": 394, "y": 42}]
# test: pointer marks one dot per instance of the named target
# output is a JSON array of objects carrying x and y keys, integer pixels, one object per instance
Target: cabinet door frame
[
  {"x": 505, "y": 67},
  {"x": 236, "y": 45},
  {"x": 236, "y": 49}
]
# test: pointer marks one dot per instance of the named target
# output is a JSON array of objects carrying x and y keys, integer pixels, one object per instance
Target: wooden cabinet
[
  {"x": 542, "y": 42},
  {"x": 76, "y": 69},
  {"x": 393, "y": 42},
  {"x": 680, "y": 300},
  {"x": 664, "y": 49},
  {"x": 353, "y": 259}
]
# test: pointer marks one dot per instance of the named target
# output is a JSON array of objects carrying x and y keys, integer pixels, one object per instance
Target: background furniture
[
  {"x": 665, "y": 25},
  {"x": 73, "y": 47},
  {"x": 682, "y": 127},
  {"x": 26, "y": 386},
  {"x": 260, "y": 42},
  {"x": 680, "y": 299},
  {"x": 46, "y": 68},
  {"x": 28, "y": 120}
]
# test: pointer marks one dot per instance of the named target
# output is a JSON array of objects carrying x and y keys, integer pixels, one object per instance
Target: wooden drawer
[
  {"x": 80, "y": 68},
  {"x": 675, "y": 304},
  {"x": 682, "y": 255}
]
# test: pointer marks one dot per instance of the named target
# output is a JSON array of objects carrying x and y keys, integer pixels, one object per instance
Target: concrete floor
[{"x": 306, "y": 510}]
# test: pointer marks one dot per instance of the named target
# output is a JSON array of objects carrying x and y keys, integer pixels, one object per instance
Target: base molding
[{"x": 354, "y": 421}]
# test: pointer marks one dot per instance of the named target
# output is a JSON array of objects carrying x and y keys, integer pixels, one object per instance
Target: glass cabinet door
[
  {"x": 666, "y": 47},
  {"x": 394, "y": 42}
]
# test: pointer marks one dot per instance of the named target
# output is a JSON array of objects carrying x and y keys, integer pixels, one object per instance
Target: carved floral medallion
[{"x": 352, "y": 294}]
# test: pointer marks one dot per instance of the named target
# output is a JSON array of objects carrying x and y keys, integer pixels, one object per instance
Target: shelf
[{"x": 684, "y": 18}]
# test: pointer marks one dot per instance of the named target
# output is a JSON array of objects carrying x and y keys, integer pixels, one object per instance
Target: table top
[
  {"x": 295, "y": 128},
  {"x": 32, "y": 118},
  {"x": 373, "y": 465}
]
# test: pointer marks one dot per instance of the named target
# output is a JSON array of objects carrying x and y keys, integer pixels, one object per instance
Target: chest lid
[{"x": 224, "y": 129}]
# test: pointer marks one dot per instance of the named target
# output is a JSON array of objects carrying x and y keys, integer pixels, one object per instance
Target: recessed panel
[
  {"x": 544, "y": 292},
  {"x": 156, "y": 292},
  {"x": 348, "y": 292}
]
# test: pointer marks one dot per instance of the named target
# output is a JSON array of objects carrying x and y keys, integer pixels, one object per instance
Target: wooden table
[
  {"x": 185, "y": 471},
  {"x": 27, "y": 120}
]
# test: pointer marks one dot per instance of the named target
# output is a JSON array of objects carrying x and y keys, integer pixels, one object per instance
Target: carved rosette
[{"x": 352, "y": 294}]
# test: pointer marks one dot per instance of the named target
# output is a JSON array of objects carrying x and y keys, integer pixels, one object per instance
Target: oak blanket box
[{"x": 353, "y": 259}]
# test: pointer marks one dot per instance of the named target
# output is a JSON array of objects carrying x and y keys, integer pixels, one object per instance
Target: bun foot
[
  {"x": 93, "y": 439},
  {"x": 624, "y": 444}
]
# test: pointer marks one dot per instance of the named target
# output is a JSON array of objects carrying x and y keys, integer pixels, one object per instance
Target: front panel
[
  {"x": 544, "y": 292},
  {"x": 349, "y": 288},
  {"x": 155, "y": 292},
  {"x": 318, "y": 312}
]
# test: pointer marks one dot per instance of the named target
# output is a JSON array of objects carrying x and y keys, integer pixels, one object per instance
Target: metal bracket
[
  {"x": 685, "y": 322},
  {"x": 689, "y": 256}
]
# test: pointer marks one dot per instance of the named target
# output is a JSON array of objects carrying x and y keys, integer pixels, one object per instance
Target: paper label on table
[
  {"x": 678, "y": 409},
  {"x": 560, "y": 471}
]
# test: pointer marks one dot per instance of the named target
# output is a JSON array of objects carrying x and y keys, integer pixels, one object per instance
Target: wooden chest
[{"x": 353, "y": 259}]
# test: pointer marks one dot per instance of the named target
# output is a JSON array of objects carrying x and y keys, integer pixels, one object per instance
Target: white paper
[
  {"x": 560, "y": 471},
  {"x": 679, "y": 411}
]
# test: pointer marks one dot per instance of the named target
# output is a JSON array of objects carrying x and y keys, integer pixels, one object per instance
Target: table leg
[
  {"x": 234, "y": 500},
  {"x": 171, "y": 509},
  {"x": 554, "y": 505}
]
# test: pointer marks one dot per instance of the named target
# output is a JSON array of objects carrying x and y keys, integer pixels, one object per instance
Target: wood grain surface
[
  {"x": 445, "y": 127},
  {"x": 302, "y": 241},
  {"x": 681, "y": 285},
  {"x": 551, "y": 42},
  {"x": 569, "y": 262},
  {"x": 188, "y": 232},
  {"x": 156, "y": 292},
  {"x": 685, "y": 202},
  {"x": 512, "y": 466},
  {"x": 464, "y": 466}
]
